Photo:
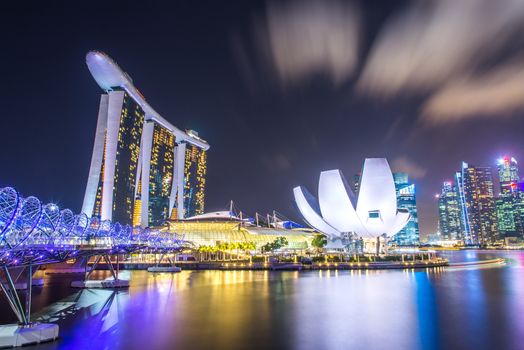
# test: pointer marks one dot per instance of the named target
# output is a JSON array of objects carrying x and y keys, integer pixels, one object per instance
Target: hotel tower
[{"x": 143, "y": 169}]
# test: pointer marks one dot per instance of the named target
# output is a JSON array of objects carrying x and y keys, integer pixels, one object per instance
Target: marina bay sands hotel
[{"x": 143, "y": 169}]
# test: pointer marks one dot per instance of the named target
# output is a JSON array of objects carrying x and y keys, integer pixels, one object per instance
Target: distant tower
[
  {"x": 508, "y": 175},
  {"x": 139, "y": 172},
  {"x": 410, "y": 234},
  {"x": 509, "y": 203},
  {"x": 475, "y": 185},
  {"x": 451, "y": 225}
]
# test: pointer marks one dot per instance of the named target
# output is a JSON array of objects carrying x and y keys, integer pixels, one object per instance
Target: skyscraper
[
  {"x": 159, "y": 153},
  {"x": 509, "y": 203},
  {"x": 475, "y": 185},
  {"x": 508, "y": 175},
  {"x": 410, "y": 234},
  {"x": 194, "y": 181},
  {"x": 139, "y": 172},
  {"x": 451, "y": 225}
]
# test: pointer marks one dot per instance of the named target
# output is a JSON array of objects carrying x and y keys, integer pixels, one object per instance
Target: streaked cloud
[
  {"x": 277, "y": 162},
  {"x": 494, "y": 93},
  {"x": 433, "y": 41},
  {"x": 450, "y": 56},
  {"x": 308, "y": 37},
  {"x": 405, "y": 165}
]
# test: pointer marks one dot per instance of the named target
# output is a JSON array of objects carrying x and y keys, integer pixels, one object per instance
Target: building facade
[
  {"x": 451, "y": 222},
  {"x": 410, "y": 234},
  {"x": 139, "y": 172},
  {"x": 475, "y": 185},
  {"x": 509, "y": 203},
  {"x": 194, "y": 181}
]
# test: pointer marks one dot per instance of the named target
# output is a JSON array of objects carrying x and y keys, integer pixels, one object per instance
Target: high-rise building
[
  {"x": 161, "y": 151},
  {"x": 410, "y": 234},
  {"x": 194, "y": 181},
  {"x": 451, "y": 223},
  {"x": 509, "y": 223},
  {"x": 475, "y": 185},
  {"x": 139, "y": 172},
  {"x": 509, "y": 204},
  {"x": 508, "y": 175}
]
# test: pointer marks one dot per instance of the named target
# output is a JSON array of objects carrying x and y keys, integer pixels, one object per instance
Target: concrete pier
[
  {"x": 164, "y": 269},
  {"x": 105, "y": 284},
  {"x": 13, "y": 335}
]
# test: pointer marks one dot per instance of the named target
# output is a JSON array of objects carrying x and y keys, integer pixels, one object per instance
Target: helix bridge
[{"x": 33, "y": 234}]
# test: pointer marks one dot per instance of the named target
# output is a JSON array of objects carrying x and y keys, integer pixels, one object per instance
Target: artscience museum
[{"x": 371, "y": 213}]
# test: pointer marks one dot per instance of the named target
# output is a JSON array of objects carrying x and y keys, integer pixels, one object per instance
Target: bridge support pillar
[
  {"x": 170, "y": 268},
  {"x": 19, "y": 277},
  {"x": 25, "y": 332},
  {"x": 109, "y": 283}
]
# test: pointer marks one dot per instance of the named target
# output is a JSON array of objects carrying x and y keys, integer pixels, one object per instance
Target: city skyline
[
  {"x": 482, "y": 205},
  {"x": 266, "y": 135}
]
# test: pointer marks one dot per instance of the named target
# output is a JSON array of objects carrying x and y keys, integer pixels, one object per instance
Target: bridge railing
[{"x": 32, "y": 230}]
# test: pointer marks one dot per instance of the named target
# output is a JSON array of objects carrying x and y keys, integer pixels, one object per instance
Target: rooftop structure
[
  {"x": 110, "y": 76},
  {"x": 213, "y": 228}
]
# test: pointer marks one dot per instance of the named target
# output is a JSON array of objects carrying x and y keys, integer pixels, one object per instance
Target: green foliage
[
  {"x": 246, "y": 246},
  {"x": 207, "y": 249},
  {"x": 319, "y": 241},
  {"x": 278, "y": 243}
]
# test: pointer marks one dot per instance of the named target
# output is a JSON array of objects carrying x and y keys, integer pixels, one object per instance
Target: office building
[
  {"x": 451, "y": 222},
  {"x": 406, "y": 199},
  {"x": 475, "y": 186}
]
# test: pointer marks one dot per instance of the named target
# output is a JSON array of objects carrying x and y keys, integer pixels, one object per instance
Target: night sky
[{"x": 280, "y": 90}]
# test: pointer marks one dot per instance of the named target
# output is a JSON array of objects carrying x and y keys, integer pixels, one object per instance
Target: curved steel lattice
[
  {"x": 104, "y": 229},
  {"x": 31, "y": 232},
  {"x": 81, "y": 224},
  {"x": 25, "y": 222},
  {"x": 67, "y": 222},
  {"x": 47, "y": 228},
  {"x": 9, "y": 202},
  {"x": 93, "y": 228}
]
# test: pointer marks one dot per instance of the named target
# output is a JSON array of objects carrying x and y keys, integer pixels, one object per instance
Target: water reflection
[
  {"x": 404, "y": 309},
  {"x": 427, "y": 311}
]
